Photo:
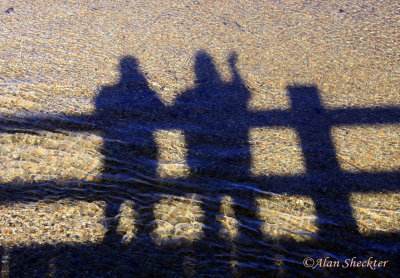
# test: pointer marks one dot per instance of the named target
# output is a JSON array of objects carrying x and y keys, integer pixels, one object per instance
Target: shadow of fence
[{"x": 215, "y": 121}]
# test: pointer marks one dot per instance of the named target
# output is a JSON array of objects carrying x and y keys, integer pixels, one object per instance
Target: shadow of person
[
  {"x": 215, "y": 132},
  {"x": 214, "y": 121},
  {"x": 127, "y": 112}
]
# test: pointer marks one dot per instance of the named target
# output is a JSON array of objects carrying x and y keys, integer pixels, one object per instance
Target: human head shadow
[{"x": 129, "y": 97}]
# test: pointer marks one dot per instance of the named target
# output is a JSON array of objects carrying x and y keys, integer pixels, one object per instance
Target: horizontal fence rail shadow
[{"x": 213, "y": 113}]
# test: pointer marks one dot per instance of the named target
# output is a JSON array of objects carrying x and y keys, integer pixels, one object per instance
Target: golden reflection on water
[
  {"x": 275, "y": 151},
  {"x": 50, "y": 156},
  {"x": 66, "y": 221},
  {"x": 172, "y": 153},
  {"x": 286, "y": 217},
  {"x": 177, "y": 220},
  {"x": 229, "y": 224},
  {"x": 180, "y": 220},
  {"x": 128, "y": 221},
  {"x": 376, "y": 212}
]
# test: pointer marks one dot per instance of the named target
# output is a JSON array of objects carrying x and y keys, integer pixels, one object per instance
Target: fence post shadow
[{"x": 313, "y": 126}]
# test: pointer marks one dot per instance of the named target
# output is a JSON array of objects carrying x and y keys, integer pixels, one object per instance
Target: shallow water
[{"x": 199, "y": 188}]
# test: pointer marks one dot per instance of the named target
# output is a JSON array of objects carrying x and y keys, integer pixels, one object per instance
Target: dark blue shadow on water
[{"x": 215, "y": 121}]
